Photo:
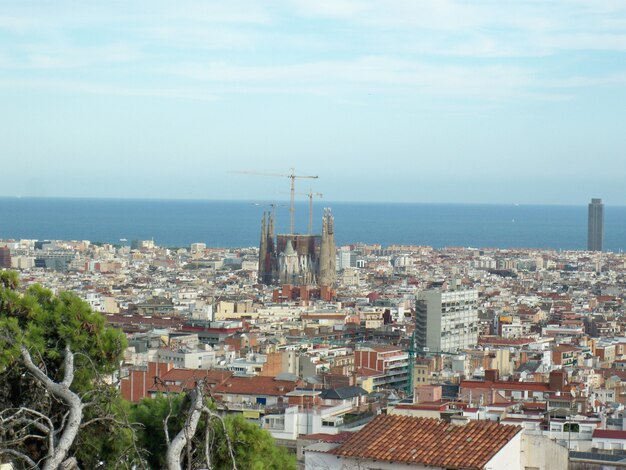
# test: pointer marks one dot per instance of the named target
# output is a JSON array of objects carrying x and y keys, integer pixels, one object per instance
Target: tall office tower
[
  {"x": 446, "y": 320},
  {"x": 595, "y": 225},
  {"x": 5, "y": 257}
]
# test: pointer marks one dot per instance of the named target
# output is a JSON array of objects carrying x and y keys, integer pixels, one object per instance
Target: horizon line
[{"x": 338, "y": 201}]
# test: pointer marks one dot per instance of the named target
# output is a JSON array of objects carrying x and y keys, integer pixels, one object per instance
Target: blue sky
[{"x": 385, "y": 100}]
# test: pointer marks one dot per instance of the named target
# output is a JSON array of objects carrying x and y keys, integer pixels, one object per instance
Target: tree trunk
[{"x": 184, "y": 436}]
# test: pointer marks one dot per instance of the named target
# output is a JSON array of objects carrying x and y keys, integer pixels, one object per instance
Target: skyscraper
[
  {"x": 595, "y": 225},
  {"x": 5, "y": 257}
]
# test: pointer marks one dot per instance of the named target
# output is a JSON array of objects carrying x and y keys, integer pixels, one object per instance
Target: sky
[{"x": 385, "y": 100}]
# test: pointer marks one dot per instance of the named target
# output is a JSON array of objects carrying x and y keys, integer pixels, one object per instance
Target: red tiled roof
[
  {"x": 179, "y": 380},
  {"x": 436, "y": 406},
  {"x": 539, "y": 405},
  {"x": 193, "y": 375},
  {"x": 504, "y": 385},
  {"x": 608, "y": 434},
  {"x": 321, "y": 437},
  {"x": 256, "y": 385},
  {"x": 365, "y": 372},
  {"x": 428, "y": 441}
]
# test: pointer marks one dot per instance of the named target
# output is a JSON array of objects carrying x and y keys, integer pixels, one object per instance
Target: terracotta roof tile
[
  {"x": 257, "y": 385},
  {"x": 609, "y": 434},
  {"x": 428, "y": 441},
  {"x": 322, "y": 437}
]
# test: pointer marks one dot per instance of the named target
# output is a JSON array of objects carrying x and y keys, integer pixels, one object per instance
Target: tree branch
[
  {"x": 226, "y": 435},
  {"x": 57, "y": 454},
  {"x": 30, "y": 462},
  {"x": 184, "y": 436}
]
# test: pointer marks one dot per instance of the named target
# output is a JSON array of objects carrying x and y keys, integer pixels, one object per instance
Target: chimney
[
  {"x": 492, "y": 375},
  {"x": 459, "y": 420}
]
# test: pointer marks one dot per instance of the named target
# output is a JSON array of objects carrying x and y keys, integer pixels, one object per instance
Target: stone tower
[
  {"x": 327, "y": 271},
  {"x": 266, "y": 250}
]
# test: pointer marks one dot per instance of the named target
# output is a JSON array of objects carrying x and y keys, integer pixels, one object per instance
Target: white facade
[
  {"x": 303, "y": 420},
  {"x": 187, "y": 359},
  {"x": 447, "y": 320}
]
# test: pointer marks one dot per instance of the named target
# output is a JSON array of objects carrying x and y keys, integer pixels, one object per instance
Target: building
[
  {"x": 595, "y": 225},
  {"x": 5, "y": 257},
  {"x": 390, "y": 364},
  {"x": 446, "y": 320},
  {"x": 400, "y": 442},
  {"x": 55, "y": 260},
  {"x": 297, "y": 259}
]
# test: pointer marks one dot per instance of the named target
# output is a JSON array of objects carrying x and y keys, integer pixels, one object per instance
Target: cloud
[
  {"x": 482, "y": 28},
  {"x": 372, "y": 74},
  {"x": 480, "y": 49},
  {"x": 98, "y": 88}
]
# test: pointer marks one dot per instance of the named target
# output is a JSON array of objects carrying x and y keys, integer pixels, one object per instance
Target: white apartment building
[{"x": 446, "y": 320}]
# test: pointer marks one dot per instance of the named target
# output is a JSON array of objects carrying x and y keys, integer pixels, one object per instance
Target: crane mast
[
  {"x": 310, "y": 195},
  {"x": 291, "y": 176}
]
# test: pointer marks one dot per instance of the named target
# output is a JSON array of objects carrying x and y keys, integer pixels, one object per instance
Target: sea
[{"x": 232, "y": 224}]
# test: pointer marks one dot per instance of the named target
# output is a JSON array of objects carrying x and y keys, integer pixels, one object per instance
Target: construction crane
[
  {"x": 310, "y": 195},
  {"x": 273, "y": 205},
  {"x": 291, "y": 176}
]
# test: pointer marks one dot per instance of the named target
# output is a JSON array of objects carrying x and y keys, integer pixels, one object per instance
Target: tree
[
  {"x": 54, "y": 354},
  {"x": 184, "y": 431},
  {"x": 59, "y": 411}
]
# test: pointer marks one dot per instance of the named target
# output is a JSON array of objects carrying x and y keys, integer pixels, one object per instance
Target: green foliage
[
  {"x": 151, "y": 414},
  {"x": 253, "y": 447},
  {"x": 106, "y": 444},
  {"x": 45, "y": 324}
]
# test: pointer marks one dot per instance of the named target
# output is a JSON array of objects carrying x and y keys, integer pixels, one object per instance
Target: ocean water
[{"x": 178, "y": 223}]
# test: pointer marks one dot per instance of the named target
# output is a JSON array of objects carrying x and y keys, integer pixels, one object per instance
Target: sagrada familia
[{"x": 295, "y": 259}]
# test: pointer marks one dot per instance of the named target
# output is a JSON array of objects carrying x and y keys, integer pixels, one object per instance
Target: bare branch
[
  {"x": 20, "y": 417},
  {"x": 58, "y": 454},
  {"x": 68, "y": 375},
  {"x": 102, "y": 418},
  {"x": 69, "y": 464},
  {"x": 175, "y": 448},
  {"x": 227, "y": 436},
  {"x": 30, "y": 462}
]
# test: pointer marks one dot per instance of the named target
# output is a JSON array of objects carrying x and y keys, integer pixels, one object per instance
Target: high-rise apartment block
[
  {"x": 446, "y": 320},
  {"x": 595, "y": 225},
  {"x": 5, "y": 257}
]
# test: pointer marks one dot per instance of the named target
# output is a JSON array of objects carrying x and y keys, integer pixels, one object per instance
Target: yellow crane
[{"x": 292, "y": 176}]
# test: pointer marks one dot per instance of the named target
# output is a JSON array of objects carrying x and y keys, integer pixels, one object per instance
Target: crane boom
[{"x": 291, "y": 176}]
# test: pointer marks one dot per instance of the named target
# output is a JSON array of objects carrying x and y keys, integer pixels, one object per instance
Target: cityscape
[
  {"x": 313, "y": 235},
  {"x": 330, "y": 348}
]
